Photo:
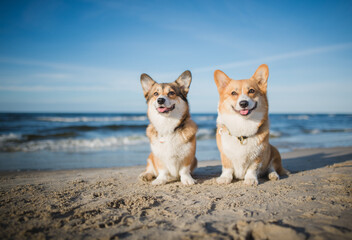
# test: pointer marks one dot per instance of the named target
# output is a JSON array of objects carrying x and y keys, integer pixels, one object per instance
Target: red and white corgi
[
  {"x": 171, "y": 131},
  {"x": 243, "y": 129}
]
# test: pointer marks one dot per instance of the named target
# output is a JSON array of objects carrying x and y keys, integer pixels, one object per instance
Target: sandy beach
[{"x": 313, "y": 202}]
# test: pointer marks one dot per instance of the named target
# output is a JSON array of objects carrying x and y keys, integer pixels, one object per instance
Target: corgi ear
[
  {"x": 261, "y": 76},
  {"x": 184, "y": 81},
  {"x": 221, "y": 80},
  {"x": 147, "y": 83}
]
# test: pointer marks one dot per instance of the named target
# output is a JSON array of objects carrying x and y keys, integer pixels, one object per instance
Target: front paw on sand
[
  {"x": 188, "y": 180},
  {"x": 251, "y": 182},
  {"x": 223, "y": 180}
]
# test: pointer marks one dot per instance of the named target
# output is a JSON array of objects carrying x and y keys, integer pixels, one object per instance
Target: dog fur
[
  {"x": 243, "y": 129},
  {"x": 171, "y": 132}
]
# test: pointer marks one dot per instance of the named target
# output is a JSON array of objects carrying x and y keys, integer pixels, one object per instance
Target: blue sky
[{"x": 87, "y": 56}]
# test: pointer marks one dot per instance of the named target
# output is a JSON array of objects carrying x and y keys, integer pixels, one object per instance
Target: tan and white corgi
[
  {"x": 243, "y": 129},
  {"x": 171, "y": 132}
]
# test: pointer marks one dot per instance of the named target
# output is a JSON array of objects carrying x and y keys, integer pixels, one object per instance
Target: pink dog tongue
[
  {"x": 244, "y": 112},
  {"x": 162, "y": 109}
]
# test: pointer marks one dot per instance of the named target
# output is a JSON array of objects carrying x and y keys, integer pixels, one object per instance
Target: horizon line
[{"x": 140, "y": 112}]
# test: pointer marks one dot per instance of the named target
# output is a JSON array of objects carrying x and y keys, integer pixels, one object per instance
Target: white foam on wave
[
  {"x": 74, "y": 144},
  {"x": 299, "y": 117},
  {"x": 205, "y": 133},
  {"x": 9, "y": 137},
  {"x": 275, "y": 134},
  {"x": 203, "y": 118},
  {"x": 92, "y": 119},
  {"x": 314, "y": 131}
]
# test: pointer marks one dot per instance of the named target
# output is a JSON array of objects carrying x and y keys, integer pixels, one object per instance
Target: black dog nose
[
  {"x": 161, "y": 100},
  {"x": 244, "y": 104}
]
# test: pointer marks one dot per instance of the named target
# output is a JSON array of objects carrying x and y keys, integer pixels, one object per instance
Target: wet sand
[{"x": 314, "y": 202}]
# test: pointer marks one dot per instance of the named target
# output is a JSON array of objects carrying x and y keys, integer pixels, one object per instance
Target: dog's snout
[
  {"x": 161, "y": 100},
  {"x": 243, "y": 104}
]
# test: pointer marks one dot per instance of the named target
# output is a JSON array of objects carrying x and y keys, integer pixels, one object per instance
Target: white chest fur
[
  {"x": 169, "y": 147},
  {"x": 171, "y": 151},
  {"x": 241, "y": 155}
]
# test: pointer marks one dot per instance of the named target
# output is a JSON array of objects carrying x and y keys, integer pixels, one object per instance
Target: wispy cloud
[
  {"x": 54, "y": 65},
  {"x": 54, "y": 88},
  {"x": 284, "y": 56},
  {"x": 57, "y": 76},
  {"x": 77, "y": 74},
  {"x": 115, "y": 79}
]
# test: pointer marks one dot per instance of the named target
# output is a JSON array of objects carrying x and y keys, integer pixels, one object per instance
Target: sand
[{"x": 314, "y": 202}]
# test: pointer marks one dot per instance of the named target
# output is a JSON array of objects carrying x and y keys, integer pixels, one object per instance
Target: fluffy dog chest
[
  {"x": 240, "y": 154},
  {"x": 172, "y": 151}
]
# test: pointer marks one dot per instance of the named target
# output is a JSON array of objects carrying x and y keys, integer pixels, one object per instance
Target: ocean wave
[
  {"x": 206, "y": 133},
  {"x": 338, "y": 130},
  {"x": 92, "y": 119},
  {"x": 313, "y": 131},
  {"x": 86, "y": 128},
  {"x": 204, "y": 118},
  {"x": 317, "y": 131},
  {"x": 298, "y": 117},
  {"x": 32, "y": 137},
  {"x": 9, "y": 137},
  {"x": 74, "y": 145},
  {"x": 275, "y": 134}
]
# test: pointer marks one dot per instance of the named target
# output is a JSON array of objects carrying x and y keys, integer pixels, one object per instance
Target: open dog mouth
[
  {"x": 245, "y": 111},
  {"x": 163, "y": 109}
]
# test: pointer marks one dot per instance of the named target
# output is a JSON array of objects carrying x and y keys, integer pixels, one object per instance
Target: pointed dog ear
[
  {"x": 147, "y": 83},
  {"x": 261, "y": 76},
  {"x": 221, "y": 80},
  {"x": 184, "y": 81}
]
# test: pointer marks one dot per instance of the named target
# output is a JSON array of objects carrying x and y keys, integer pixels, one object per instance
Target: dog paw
[
  {"x": 159, "y": 182},
  {"x": 188, "y": 180},
  {"x": 273, "y": 176},
  {"x": 146, "y": 177},
  {"x": 251, "y": 182},
  {"x": 223, "y": 180}
]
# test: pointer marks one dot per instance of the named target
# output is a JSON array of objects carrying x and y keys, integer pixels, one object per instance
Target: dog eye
[
  {"x": 171, "y": 93},
  {"x": 233, "y": 93},
  {"x": 156, "y": 94},
  {"x": 251, "y": 91}
]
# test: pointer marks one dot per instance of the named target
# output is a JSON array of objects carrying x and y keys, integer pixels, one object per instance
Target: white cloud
[
  {"x": 54, "y": 88},
  {"x": 84, "y": 78},
  {"x": 284, "y": 56},
  {"x": 115, "y": 79},
  {"x": 63, "y": 66},
  {"x": 57, "y": 76}
]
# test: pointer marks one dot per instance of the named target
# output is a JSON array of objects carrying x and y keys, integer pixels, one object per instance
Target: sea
[{"x": 58, "y": 141}]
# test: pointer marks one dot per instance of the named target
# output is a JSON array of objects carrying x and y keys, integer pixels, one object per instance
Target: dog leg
[
  {"x": 272, "y": 174},
  {"x": 162, "y": 178},
  {"x": 277, "y": 163},
  {"x": 185, "y": 174},
  {"x": 227, "y": 167},
  {"x": 251, "y": 177},
  {"x": 226, "y": 176},
  {"x": 149, "y": 173}
]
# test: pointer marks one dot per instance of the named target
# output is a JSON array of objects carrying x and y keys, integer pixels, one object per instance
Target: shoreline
[
  {"x": 285, "y": 155},
  {"x": 313, "y": 202}
]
